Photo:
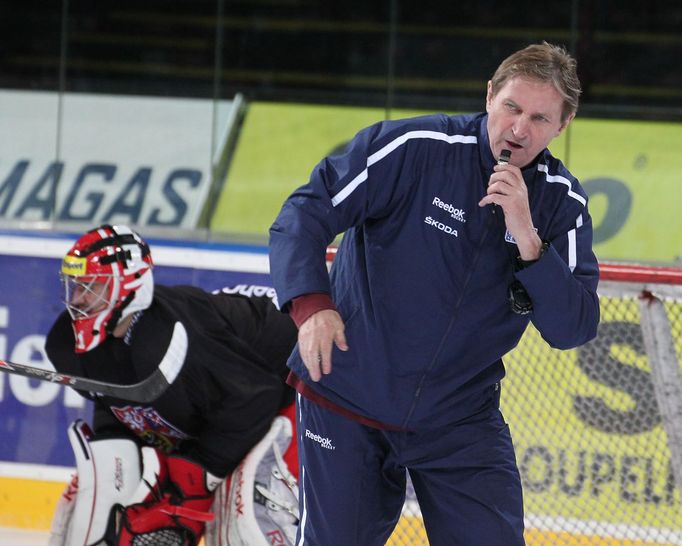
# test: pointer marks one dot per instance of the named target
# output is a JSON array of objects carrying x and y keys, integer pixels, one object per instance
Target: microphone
[{"x": 505, "y": 156}]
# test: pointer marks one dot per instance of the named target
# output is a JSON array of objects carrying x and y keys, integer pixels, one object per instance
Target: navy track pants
[{"x": 352, "y": 480}]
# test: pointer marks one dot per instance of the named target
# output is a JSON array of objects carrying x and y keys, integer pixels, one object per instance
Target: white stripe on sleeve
[
  {"x": 572, "y": 256},
  {"x": 555, "y": 178},
  {"x": 174, "y": 359},
  {"x": 390, "y": 147},
  {"x": 572, "y": 244}
]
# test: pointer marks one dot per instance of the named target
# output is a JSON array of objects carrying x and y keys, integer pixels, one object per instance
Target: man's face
[
  {"x": 524, "y": 116},
  {"x": 85, "y": 297}
]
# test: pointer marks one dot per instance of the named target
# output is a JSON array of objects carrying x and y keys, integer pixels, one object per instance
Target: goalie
[{"x": 213, "y": 455}]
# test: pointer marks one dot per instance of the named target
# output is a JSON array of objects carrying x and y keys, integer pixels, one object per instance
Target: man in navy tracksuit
[{"x": 448, "y": 253}]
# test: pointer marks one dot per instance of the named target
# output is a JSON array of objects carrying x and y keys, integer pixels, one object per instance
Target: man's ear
[{"x": 565, "y": 123}]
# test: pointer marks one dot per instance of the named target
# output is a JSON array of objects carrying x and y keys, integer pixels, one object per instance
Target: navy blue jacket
[{"x": 421, "y": 276}]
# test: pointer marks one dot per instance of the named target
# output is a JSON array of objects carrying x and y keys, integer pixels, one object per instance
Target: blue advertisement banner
[{"x": 34, "y": 415}]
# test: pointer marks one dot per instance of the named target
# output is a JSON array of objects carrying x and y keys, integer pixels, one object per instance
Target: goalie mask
[{"x": 107, "y": 275}]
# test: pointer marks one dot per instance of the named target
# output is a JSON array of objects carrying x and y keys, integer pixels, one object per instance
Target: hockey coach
[{"x": 458, "y": 231}]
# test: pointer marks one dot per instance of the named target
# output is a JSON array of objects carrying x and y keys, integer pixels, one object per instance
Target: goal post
[{"x": 654, "y": 287}]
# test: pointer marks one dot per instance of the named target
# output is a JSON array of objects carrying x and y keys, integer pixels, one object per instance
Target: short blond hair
[{"x": 547, "y": 63}]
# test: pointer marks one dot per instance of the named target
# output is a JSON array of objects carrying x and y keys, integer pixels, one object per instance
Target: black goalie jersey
[{"x": 231, "y": 381}]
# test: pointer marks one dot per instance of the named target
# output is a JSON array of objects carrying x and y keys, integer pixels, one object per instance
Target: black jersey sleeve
[
  {"x": 236, "y": 376},
  {"x": 258, "y": 322}
]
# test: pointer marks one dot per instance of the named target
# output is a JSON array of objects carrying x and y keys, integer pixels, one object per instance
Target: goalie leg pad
[
  {"x": 260, "y": 501},
  {"x": 108, "y": 474}
]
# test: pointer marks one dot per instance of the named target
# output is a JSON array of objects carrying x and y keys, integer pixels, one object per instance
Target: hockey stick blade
[{"x": 147, "y": 390}]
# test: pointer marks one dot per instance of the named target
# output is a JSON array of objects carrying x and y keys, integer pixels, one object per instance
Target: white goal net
[{"x": 598, "y": 429}]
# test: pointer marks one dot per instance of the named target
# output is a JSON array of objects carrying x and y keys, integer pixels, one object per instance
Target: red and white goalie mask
[{"x": 107, "y": 275}]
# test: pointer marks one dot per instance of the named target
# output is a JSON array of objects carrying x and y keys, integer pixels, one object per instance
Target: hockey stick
[{"x": 147, "y": 390}]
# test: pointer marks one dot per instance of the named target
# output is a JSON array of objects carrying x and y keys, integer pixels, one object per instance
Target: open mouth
[{"x": 513, "y": 145}]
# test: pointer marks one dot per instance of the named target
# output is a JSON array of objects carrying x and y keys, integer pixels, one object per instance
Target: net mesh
[
  {"x": 161, "y": 537},
  {"x": 590, "y": 440}
]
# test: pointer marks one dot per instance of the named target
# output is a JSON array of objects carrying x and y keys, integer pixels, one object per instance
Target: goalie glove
[{"x": 177, "y": 516}]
